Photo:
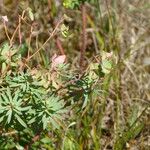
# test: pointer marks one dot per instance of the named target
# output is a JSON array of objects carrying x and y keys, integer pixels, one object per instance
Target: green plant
[
  {"x": 73, "y": 3},
  {"x": 8, "y": 57},
  {"x": 23, "y": 96},
  {"x": 26, "y": 104},
  {"x": 29, "y": 103}
]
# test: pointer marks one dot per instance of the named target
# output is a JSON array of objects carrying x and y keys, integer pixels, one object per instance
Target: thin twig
[
  {"x": 17, "y": 28},
  {"x": 19, "y": 31},
  {"x": 51, "y": 35},
  {"x": 29, "y": 43},
  {"x": 6, "y": 31}
]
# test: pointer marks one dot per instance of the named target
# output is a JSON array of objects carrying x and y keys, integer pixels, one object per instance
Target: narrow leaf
[
  {"x": 9, "y": 113},
  {"x": 20, "y": 121}
]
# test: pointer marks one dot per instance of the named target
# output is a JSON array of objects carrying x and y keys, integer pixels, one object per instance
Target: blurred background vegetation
[{"x": 117, "y": 115}]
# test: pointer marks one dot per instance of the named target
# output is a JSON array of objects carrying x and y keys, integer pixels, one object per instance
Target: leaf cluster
[{"x": 24, "y": 102}]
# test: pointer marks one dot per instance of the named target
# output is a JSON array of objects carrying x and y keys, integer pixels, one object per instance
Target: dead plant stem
[{"x": 84, "y": 35}]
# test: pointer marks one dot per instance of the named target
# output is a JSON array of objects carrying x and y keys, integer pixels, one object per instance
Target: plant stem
[{"x": 84, "y": 36}]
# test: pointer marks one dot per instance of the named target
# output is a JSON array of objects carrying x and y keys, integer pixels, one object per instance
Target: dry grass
[{"x": 129, "y": 91}]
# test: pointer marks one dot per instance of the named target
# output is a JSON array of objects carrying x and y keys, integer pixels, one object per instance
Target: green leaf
[
  {"x": 5, "y": 49},
  {"x": 5, "y": 98},
  {"x": 31, "y": 15},
  {"x": 54, "y": 123},
  {"x": 134, "y": 115},
  {"x": 86, "y": 98},
  {"x": 20, "y": 121},
  {"x": 46, "y": 140},
  {"x": 9, "y": 94},
  {"x": 45, "y": 121},
  {"x": 128, "y": 135},
  {"x": 71, "y": 124},
  {"x": 4, "y": 66},
  {"x": 19, "y": 147},
  {"x": 64, "y": 30},
  {"x": 69, "y": 4},
  {"x": 69, "y": 144},
  {"x": 18, "y": 112},
  {"x": 32, "y": 120},
  {"x": 107, "y": 61},
  {"x": 106, "y": 66},
  {"x": 40, "y": 114},
  {"x": 2, "y": 109},
  {"x": 15, "y": 98},
  {"x": 1, "y": 118},
  {"x": 25, "y": 108},
  {"x": 9, "y": 114}
]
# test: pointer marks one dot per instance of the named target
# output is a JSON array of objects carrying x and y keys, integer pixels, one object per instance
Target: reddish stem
[
  {"x": 84, "y": 36},
  {"x": 59, "y": 46},
  {"x": 57, "y": 40}
]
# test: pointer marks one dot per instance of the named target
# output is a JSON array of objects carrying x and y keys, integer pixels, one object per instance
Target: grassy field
[{"x": 75, "y": 75}]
